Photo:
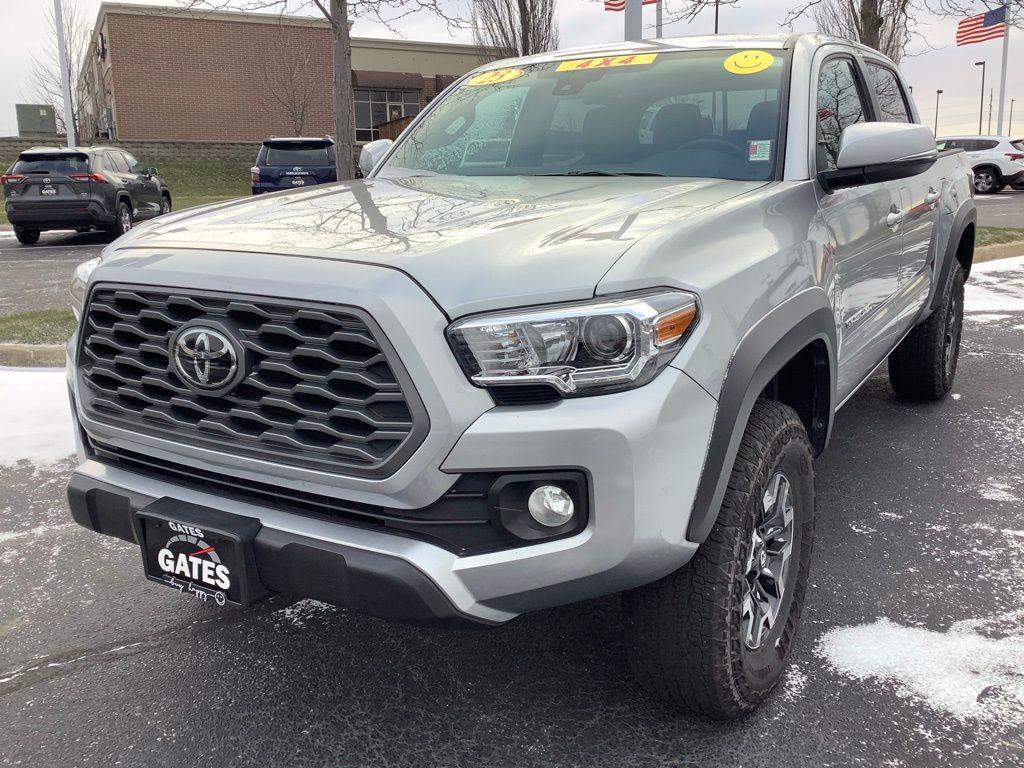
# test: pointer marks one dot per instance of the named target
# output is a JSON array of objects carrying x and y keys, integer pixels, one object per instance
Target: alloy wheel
[
  {"x": 769, "y": 554},
  {"x": 984, "y": 181},
  {"x": 954, "y": 332}
]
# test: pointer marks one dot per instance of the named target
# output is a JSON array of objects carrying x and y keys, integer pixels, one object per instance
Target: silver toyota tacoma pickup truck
[{"x": 582, "y": 330}]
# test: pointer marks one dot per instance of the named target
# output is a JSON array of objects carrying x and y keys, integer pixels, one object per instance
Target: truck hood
[{"x": 472, "y": 243}]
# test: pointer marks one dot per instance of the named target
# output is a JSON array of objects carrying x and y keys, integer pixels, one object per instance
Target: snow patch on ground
[
  {"x": 39, "y": 530},
  {"x": 794, "y": 683},
  {"x": 35, "y": 417},
  {"x": 995, "y": 286},
  {"x": 972, "y": 672},
  {"x": 986, "y": 317},
  {"x": 997, "y": 491},
  {"x": 299, "y": 613}
]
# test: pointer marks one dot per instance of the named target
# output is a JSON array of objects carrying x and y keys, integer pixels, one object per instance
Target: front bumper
[{"x": 642, "y": 452}]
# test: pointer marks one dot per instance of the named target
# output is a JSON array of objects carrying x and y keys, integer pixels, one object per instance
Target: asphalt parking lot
[{"x": 910, "y": 653}]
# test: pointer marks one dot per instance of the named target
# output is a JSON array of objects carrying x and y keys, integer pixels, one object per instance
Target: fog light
[{"x": 551, "y": 506}]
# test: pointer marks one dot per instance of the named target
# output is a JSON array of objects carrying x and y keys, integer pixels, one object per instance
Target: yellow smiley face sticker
[
  {"x": 749, "y": 62},
  {"x": 495, "y": 77}
]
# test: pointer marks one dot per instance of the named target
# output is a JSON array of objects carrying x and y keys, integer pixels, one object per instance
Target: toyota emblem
[{"x": 205, "y": 359}]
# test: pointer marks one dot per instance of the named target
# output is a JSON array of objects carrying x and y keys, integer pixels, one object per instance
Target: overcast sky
[{"x": 584, "y": 22}]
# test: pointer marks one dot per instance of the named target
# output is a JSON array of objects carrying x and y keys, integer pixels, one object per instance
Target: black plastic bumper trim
[{"x": 291, "y": 564}]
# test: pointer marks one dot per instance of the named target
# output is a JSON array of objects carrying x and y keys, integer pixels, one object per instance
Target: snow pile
[
  {"x": 35, "y": 417},
  {"x": 972, "y": 672},
  {"x": 996, "y": 286}
]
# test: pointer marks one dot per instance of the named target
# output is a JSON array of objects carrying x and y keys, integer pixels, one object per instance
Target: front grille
[{"x": 322, "y": 389}]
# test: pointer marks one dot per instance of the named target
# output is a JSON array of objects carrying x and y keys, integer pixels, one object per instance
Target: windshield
[
  {"x": 54, "y": 164},
  {"x": 697, "y": 113},
  {"x": 298, "y": 154}
]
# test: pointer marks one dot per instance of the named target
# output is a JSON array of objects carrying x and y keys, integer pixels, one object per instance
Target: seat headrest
[
  {"x": 676, "y": 124},
  {"x": 763, "y": 122}
]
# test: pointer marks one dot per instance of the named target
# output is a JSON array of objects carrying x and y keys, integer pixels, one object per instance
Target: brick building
[{"x": 161, "y": 73}]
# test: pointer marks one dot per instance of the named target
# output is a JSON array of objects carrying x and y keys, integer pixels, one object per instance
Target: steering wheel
[{"x": 715, "y": 143}]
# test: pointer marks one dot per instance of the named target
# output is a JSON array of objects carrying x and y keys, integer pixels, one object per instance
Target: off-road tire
[
  {"x": 683, "y": 633},
  {"x": 26, "y": 236},
  {"x": 923, "y": 366}
]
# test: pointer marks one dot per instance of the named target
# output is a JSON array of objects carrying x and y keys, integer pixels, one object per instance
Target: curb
[{"x": 33, "y": 355}]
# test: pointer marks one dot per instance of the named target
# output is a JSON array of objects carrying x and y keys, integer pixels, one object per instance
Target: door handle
[
  {"x": 932, "y": 197},
  {"x": 894, "y": 218}
]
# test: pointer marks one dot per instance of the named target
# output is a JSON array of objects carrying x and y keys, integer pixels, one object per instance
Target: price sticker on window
[{"x": 495, "y": 77}]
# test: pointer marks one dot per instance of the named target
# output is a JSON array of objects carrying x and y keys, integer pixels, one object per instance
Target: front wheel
[
  {"x": 714, "y": 637},
  {"x": 165, "y": 204},
  {"x": 923, "y": 366},
  {"x": 26, "y": 236}
]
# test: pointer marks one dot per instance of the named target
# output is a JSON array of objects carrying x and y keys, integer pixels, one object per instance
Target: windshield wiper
[{"x": 599, "y": 173}]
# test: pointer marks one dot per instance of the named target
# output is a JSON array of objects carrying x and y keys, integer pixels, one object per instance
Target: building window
[{"x": 374, "y": 107}]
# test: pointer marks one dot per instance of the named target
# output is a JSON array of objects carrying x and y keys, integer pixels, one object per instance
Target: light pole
[
  {"x": 65, "y": 75},
  {"x": 1009, "y": 131},
  {"x": 938, "y": 93},
  {"x": 981, "y": 111}
]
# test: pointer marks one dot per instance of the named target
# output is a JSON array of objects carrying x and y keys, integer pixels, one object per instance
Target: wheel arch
[
  {"x": 790, "y": 356},
  {"x": 959, "y": 249}
]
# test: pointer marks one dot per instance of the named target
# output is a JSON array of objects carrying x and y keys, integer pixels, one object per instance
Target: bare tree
[
  {"x": 338, "y": 14},
  {"x": 887, "y": 25},
  {"x": 688, "y": 10},
  {"x": 44, "y": 79},
  {"x": 288, "y": 78},
  {"x": 515, "y": 27}
]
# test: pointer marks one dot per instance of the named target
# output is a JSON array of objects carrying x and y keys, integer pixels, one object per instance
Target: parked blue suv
[{"x": 289, "y": 163}]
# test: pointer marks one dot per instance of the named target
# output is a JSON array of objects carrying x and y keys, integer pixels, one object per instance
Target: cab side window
[
  {"x": 892, "y": 103},
  {"x": 117, "y": 161},
  {"x": 840, "y": 105},
  {"x": 133, "y": 164}
]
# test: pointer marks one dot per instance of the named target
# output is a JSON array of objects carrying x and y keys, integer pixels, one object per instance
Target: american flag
[
  {"x": 984, "y": 26},
  {"x": 620, "y": 5}
]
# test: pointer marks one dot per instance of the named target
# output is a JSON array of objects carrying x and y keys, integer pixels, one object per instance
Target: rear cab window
[
  {"x": 296, "y": 153},
  {"x": 57, "y": 163}
]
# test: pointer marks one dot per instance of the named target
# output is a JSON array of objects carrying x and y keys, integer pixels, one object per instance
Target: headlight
[
  {"x": 579, "y": 349},
  {"x": 79, "y": 284}
]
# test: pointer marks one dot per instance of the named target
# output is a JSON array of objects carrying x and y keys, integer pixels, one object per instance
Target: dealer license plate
[
  {"x": 48, "y": 191},
  {"x": 199, "y": 552}
]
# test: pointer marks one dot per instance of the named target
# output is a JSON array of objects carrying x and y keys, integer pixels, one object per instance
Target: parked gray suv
[
  {"x": 583, "y": 330},
  {"x": 81, "y": 188}
]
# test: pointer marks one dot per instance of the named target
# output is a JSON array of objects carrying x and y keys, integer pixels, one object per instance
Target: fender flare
[
  {"x": 967, "y": 215},
  {"x": 762, "y": 352}
]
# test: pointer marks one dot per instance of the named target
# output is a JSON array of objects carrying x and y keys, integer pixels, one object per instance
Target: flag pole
[
  {"x": 634, "y": 21},
  {"x": 1006, "y": 61}
]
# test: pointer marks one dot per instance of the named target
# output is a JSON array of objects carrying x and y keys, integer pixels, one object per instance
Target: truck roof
[{"x": 810, "y": 40}]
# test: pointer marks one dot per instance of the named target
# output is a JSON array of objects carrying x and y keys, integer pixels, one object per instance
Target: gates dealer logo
[{"x": 188, "y": 556}]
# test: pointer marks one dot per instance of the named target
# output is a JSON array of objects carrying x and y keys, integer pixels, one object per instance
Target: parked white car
[{"x": 997, "y": 161}]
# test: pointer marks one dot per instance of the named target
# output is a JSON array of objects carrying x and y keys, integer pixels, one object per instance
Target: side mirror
[
  {"x": 874, "y": 152},
  {"x": 372, "y": 154}
]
